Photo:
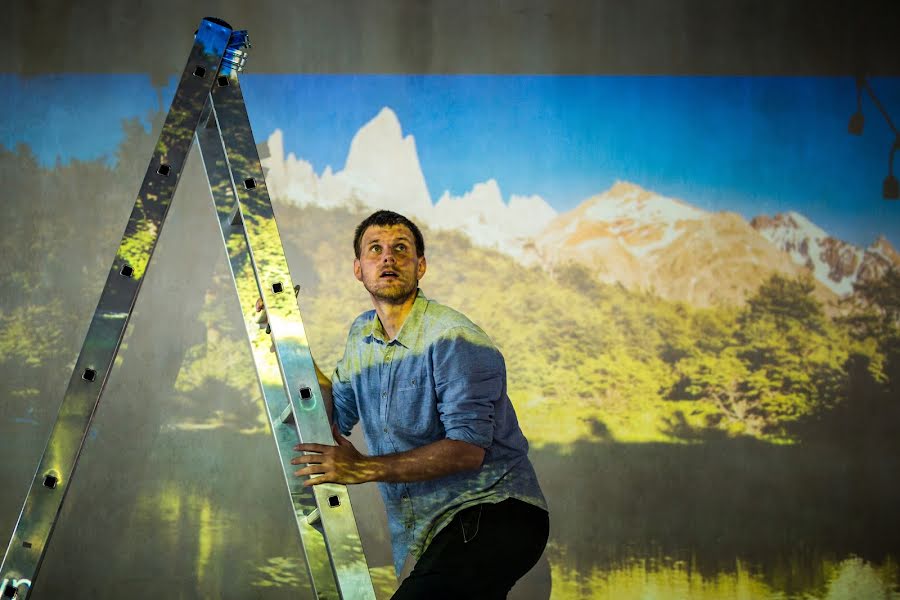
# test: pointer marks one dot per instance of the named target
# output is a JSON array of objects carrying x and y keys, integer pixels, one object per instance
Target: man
[{"x": 430, "y": 389}]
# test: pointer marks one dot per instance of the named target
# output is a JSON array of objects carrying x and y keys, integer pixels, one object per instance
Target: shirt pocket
[{"x": 413, "y": 409}]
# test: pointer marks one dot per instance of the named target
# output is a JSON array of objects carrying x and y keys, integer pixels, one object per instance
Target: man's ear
[
  {"x": 421, "y": 267},
  {"x": 357, "y": 269}
]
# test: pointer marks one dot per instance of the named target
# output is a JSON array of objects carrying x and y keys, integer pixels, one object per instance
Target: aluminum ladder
[{"x": 209, "y": 106}]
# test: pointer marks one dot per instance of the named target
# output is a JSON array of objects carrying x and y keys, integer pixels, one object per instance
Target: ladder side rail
[
  {"x": 266, "y": 252},
  {"x": 28, "y": 544},
  {"x": 268, "y": 373}
]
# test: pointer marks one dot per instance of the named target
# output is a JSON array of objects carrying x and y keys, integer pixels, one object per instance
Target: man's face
[{"x": 388, "y": 265}]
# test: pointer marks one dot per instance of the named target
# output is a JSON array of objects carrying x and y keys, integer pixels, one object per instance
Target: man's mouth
[{"x": 388, "y": 274}]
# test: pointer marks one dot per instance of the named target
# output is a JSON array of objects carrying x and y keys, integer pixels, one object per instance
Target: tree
[
  {"x": 783, "y": 363},
  {"x": 724, "y": 380},
  {"x": 794, "y": 355},
  {"x": 874, "y": 314},
  {"x": 787, "y": 300}
]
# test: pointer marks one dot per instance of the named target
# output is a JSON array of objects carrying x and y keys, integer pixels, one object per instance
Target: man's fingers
[
  {"x": 317, "y": 480},
  {"x": 311, "y": 470},
  {"x": 320, "y": 448},
  {"x": 312, "y": 459}
]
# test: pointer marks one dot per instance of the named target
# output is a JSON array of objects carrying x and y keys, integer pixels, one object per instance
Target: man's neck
[{"x": 392, "y": 315}]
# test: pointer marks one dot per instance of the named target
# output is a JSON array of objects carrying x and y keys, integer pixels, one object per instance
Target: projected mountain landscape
[
  {"x": 625, "y": 235},
  {"x": 705, "y": 359}
]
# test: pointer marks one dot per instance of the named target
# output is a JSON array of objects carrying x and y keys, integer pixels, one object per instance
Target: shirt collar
[{"x": 407, "y": 334}]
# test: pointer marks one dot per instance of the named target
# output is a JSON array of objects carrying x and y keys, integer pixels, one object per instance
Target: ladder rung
[
  {"x": 235, "y": 218},
  {"x": 287, "y": 415}
]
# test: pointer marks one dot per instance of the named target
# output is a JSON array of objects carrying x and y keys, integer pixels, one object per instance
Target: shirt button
[
  {"x": 385, "y": 429},
  {"x": 384, "y": 394}
]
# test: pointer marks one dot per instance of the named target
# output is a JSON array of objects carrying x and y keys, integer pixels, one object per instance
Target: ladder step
[
  {"x": 287, "y": 416},
  {"x": 235, "y": 218}
]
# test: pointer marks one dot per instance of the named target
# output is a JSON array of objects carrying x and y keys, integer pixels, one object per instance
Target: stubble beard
[{"x": 393, "y": 294}]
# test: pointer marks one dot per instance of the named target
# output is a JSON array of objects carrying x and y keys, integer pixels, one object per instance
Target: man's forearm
[{"x": 434, "y": 460}]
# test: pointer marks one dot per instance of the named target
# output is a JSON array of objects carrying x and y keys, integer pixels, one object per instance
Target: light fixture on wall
[{"x": 889, "y": 189}]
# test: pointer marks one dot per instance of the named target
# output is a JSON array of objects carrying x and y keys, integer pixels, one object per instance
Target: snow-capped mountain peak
[
  {"x": 383, "y": 171},
  {"x": 483, "y": 215},
  {"x": 788, "y": 230},
  {"x": 834, "y": 262},
  {"x": 383, "y": 167},
  {"x": 626, "y": 234},
  {"x": 642, "y": 239},
  {"x": 629, "y": 201},
  {"x": 643, "y": 221}
]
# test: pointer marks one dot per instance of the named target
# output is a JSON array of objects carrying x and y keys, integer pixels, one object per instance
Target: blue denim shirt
[{"x": 440, "y": 378}]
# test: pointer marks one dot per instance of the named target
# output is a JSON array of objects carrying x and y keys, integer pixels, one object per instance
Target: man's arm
[{"x": 345, "y": 464}]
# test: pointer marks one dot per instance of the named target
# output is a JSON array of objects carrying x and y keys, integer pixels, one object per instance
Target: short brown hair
[{"x": 386, "y": 218}]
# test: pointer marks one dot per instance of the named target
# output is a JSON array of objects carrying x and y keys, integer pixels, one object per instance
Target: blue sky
[{"x": 750, "y": 145}]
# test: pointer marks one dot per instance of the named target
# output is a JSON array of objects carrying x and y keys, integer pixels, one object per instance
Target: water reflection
[
  {"x": 727, "y": 519},
  {"x": 669, "y": 579}
]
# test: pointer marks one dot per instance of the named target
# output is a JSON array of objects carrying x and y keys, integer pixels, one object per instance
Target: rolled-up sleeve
[
  {"x": 469, "y": 376},
  {"x": 345, "y": 409}
]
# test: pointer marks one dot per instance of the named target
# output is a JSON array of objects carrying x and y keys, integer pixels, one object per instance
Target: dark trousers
[{"x": 482, "y": 552}]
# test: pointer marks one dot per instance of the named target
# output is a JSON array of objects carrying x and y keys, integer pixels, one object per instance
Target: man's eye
[
  {"x": 375, "y": 249},
  {"x": 401, "y": 247}
]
